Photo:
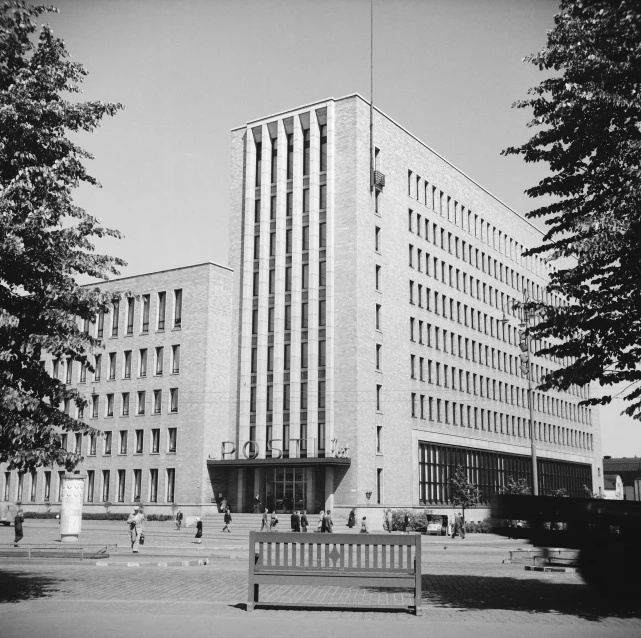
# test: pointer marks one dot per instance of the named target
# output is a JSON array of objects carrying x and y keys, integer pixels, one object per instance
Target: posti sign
[{"x": 251, "y": 449}]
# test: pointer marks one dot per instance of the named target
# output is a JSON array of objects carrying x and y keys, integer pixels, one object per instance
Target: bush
[
  {"x": 100, "y": 516},
  {"x": 480, "y": 527},
  {"x": 41, "y": 514},
  {"x": 418, "y": 521}
]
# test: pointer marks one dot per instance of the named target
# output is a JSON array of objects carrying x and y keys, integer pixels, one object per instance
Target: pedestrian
[
  {"x": 227, "y": 521},
  {"x": 179, "y": 520},
  {"x": 303, "y": 520},
  {"x": 136, "y": 530},
  {"x": 328, "y": 523},
  {"x": 351, "y": 519},
  {"x": 406, "y": 522},
  {"x": 364, "y": 526},
  {"x": 17, "y": 522},
  {"x": 265, "y": 523},
  {"x": 459, "y": 526},
  {"x": 389, "y": 521},
  {"x": 269, "y": 502},
  {"x": 274, "y": 522},
  {"x": 256, "y": 509},
  {"x": 199, "y": 531},
  {"x": 295, "y": 522},
  {"x": 321, "y": 518}
]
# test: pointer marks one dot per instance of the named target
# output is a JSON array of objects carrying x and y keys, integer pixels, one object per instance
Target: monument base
[{"x": 69, "y": 538}]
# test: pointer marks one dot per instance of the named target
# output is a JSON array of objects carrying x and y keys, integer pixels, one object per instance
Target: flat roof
[
  {"x": 158, "y": 272},
  {"x": 393, "y": 121},
  {"x": 314, "y": 461}
]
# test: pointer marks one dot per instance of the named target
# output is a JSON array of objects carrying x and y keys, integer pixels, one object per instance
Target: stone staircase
[{"x": 245, "y": 523}]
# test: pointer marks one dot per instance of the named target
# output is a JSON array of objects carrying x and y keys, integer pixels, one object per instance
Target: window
[
  {"x": 377, "y": 239},
  {"x": 47, "y": 495},
  {"x": 121, "y": 486},
  {"x": 288, "y": 279},
  {"x": 162, "y": 301},
  {"x": 92, "y": 444},
  {"x": 34, "y": 486},
  {"x": 159, "y": 360},
  {"x": 379, "y": 485},
  {"x": 115, "y": 318},
  {"x": 171, "y": 439},
  {"x": 322, "y": 235},
  {"x": 125, "y": 404},
  {"x": 379, "y": 393},
  {"x": 305, "y": 276},
  {"x": 274, "y": 158},
  {"x": 287, "y": 356},
  {"x": 101, "y": 325},
  {"x": 379, "y": 356},
  {"x": 321, "y": 354},
  {"x": 123, "y": 442},
  {"x": 143, "y": 362},
  {"x": 259, "y": 163},
  {"x": 323, "y": 148},
  {"x": 146, "y": 300},
  {"x": 137, "y": 484},
  {"x": 107, "y": 448},
  {"x": 290, "y": 204},
  {"x": 303, "y": 354},
  {"x": 90, "y": 485},
  {"x": 83, "y": 372},
  {"x": 153, "y": 486},
  {"x": 378, "y": 277},
  {"x": 306, "y": 147},
  {"x": 155, "y": 441},
  {"x": 256, "y": 283},
  {"x": 321, "y": 395},
  {"x": 61, "y": 476},
  {"x": 178, "y": 308},
  {"x": 322, "y": 311},
  {"x": 130, "y": 315},
  {"x": 94, "y": 406},
  {"x": 303, "y": 396},
  {"x": 378, "y": 316},
  {"x": 414, "y": 404},
  {"x": 171, "y": 484},
  {"x": 304, "y": 319},
  {"x": 7, "y": 486},
  {"x": 97, "y": 367},
  {"x": 112, "y": 366},
  {"x": 141, "y": 402},
  {"x": 157, "y": 401},
  {"x": 127, "y": 365},
  {"x": 288, "y": 241},
  {"x": 379, "y": 439},
  {"x": 110, "y": 405},
  {"x": 173, "y": 394},
  {"x": 139, "y": 441},
  {"x": 105, "y": 485},
  {"x": 290, "y": 156},
  {"x": 69, "y": 370}
]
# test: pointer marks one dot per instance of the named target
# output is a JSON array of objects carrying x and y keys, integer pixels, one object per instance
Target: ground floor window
[{"x": 490, "y": 470}]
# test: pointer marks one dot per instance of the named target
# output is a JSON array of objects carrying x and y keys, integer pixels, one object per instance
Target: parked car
[
  {"x": 8, "y": 512},
  {"x": 436, "y": 524}
]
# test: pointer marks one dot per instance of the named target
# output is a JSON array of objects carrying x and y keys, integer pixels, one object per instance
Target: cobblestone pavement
[{"x": 453, "y": 592}]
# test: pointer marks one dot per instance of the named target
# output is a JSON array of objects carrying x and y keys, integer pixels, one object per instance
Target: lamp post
[{"x": 524, "y": 345}]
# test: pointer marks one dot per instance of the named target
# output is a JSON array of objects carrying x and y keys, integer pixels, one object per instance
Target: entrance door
[{"x": 290, "y": 488}]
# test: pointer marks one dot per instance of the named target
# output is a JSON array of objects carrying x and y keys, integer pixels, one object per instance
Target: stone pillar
[
  {"x": 329, "y": 488},
  {"x": 73, "y": 490}
]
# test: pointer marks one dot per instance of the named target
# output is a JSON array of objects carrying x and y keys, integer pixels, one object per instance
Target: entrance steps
[{"x": 245, "y": 523}]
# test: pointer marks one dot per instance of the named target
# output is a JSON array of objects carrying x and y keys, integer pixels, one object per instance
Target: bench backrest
[{"x": 335, "y": 552}]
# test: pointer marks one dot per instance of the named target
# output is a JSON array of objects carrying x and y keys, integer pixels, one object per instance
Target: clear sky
[{"x": 188, "y": 71}]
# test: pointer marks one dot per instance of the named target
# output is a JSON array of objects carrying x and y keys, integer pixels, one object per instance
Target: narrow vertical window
[
  {"x": 323, "y": 148},
  {"x": 175, "y": 359},
  {"x": 274, "y": 166},
  {"x": 141, "y": 402},
  {"x": 303, "y": 354},
  {"x": 112, "y": 366},
  {"x": 321, "y": 395},
  {"x": 322, "y": 197},
  {"x": 157, "y": 401},
  {"x": 130, "y": 315},
  {"x": 105, "y": 485},
  {"x": 159, "y": 360},
  {"x": 178, "y": 308},
  {"x": 321, "y": 354},
  {"x": 123, "y": 442},
  {"x": 378, "y": 316},
  {"x": 139, "y": 441},
  {"x": 322, "y": 312},
  {"x": 171, "y": 484},
  {"x": 153, "y": 486},
  {"x": 290, "y": 156},
  {"x": 110, "y": 405},
  {"x": 146, "y": 300},
  {"x": 322, "y": 273},
  {"x": 377, "y": 239},
  {"x": 90, "y": 485},
  {"x": 115, "y": 318},
  {"x": 259, "y": 163},
  {"x": 101, "y": 325},
  {"x": 162, "y": 300},
  {"x": 143, "y": 362},
  {"x": 306, "y": 147},
  {"x": 155, "y": 441},
  {"x": 125, "y": 404},
  {"x": 173, "y": 393},
  {"x": 69, "y": 371},
  {"x": 379, "y": 356}
]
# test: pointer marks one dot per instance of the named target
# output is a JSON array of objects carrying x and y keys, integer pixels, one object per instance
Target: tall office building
[{"x": 373, "y": 356}]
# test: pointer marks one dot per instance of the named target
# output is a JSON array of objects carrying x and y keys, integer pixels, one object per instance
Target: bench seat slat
[{"x": 340, "y": 581}]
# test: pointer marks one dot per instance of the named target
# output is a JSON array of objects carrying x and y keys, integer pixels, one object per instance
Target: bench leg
[{"x": 252, "y": 595}]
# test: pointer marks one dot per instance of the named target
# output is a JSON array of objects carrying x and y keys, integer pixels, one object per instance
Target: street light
[{"x": 526, "y": 370}]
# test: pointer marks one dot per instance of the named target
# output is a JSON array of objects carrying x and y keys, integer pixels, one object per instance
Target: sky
[{"x": 188, "y": 71}]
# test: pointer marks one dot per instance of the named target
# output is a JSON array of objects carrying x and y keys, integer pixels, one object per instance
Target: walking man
[
  {"x": 328, "y": 523},
  {"x": 303, "y": 520},
  {"x": 17, "y": 521},
  {"x": 459, "y": 526},
  {"x": 227, "y": 521},
  {"x": 296, "y": 522},
  {"x": 179, "y": 520},
  {"x": 265, "y": 525},
  {"x": 135, "y": 522}
]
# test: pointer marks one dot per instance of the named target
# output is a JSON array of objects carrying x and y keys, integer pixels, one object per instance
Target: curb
[
  {"x": 532, "y": 568},
  {"x": 172, "y": 563}
]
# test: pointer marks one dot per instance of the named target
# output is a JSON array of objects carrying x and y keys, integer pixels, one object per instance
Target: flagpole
[{"x": 371, "y": 97}]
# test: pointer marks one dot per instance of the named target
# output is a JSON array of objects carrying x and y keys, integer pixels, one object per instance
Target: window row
[
  {"x": 287, "y": 319},
  {"x": 76, "y": 443},
  {"x": 126, "y": 404},
  {"x": 15, "y": 486},
  {"x": 281, "y": 399},
  {"x": 444, "y": 411},
  {"x": 304, "y": 278},
  {"x": 319, "y": 347}
]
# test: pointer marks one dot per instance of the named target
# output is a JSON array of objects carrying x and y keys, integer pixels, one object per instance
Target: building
[
  {"x": 159, "y": 396},
  {"x": 372, "y": 354},
  {"x": 629, "y": 469},
  {"x": 613, "y": 487}
]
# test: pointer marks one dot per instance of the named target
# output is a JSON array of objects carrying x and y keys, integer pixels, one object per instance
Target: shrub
[
  {"x": 41, "y": 514},
  {"x": 418, "y": 521},
  {"x": 99, "y": 516}
]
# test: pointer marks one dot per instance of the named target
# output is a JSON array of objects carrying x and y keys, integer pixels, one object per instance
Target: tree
[
  {"x": 465, "y": 494},
  {"x": 45, "y": 240},
  {"x": 515, "y": 487},
  {"x": 590, "y": 494},
  {"x": 589, "y": 108},
  {"x": 560, "y": 492}
]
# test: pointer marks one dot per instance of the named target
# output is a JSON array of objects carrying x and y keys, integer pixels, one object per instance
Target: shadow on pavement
[
  {"x": 16, "y": 586},
  {"x": 467, "y": 592}
]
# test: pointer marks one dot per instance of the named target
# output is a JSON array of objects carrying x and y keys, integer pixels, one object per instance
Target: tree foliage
[
  {"x": 513, "y": 486},
  {"x": 45, "y": 240},
  {"x": 465, "y": 494},
  {"x": 589, "y": 112}
]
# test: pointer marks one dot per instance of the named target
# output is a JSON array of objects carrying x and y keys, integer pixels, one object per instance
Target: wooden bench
[{"x": 346, "y": 560}]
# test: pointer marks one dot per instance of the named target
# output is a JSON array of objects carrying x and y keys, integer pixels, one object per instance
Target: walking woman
[
  {"x": 351, "y": 520},
  {"x": 199, "y": 531},
  {"x": 227, "y": 521},
  {"x": 321, "y": 518}
]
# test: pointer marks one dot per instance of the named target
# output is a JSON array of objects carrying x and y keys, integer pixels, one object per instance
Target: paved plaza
[{"x": 466, "y": 586}]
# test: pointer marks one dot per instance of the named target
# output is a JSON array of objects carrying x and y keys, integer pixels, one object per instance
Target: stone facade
[{"x": 187, "y": 356}]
